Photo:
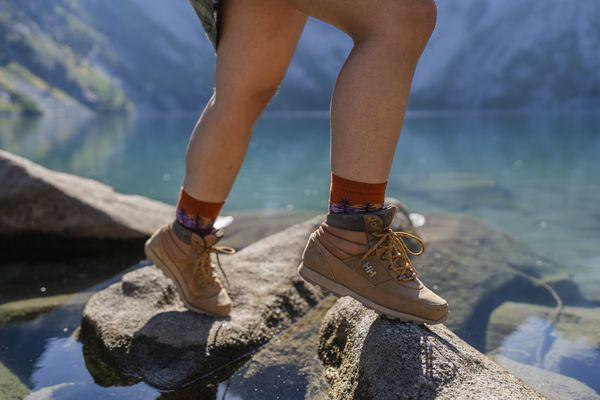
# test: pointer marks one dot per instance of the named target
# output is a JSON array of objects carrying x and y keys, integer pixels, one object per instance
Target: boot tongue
[
  {"x": 387, "y": 215},
  {"x": 356, "y": 222},
  {"x": 209, "y": 240}
]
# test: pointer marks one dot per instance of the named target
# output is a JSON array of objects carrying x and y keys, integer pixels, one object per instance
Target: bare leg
[
  {"x": 257, "y": 43},
  {"x": 370, "y": 95},
  {"x": 358, "y": 254}
]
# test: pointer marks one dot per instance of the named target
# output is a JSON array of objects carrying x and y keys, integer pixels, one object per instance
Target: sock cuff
[
  {"x": 356, "y": 192},
  {"x": 193, "y": 206}
]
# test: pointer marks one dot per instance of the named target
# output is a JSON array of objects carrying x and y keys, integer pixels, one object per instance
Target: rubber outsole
[{"x": 339, "y": 290}]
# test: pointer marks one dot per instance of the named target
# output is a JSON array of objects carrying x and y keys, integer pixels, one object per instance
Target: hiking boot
[
  {"x": 360, "y": 256},
  {"x": 184, "y": 257}
]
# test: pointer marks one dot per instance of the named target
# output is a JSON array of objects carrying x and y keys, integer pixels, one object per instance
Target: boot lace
[
  {"x": 204, "y": 264},
  {"x": 396, "y": 252}
]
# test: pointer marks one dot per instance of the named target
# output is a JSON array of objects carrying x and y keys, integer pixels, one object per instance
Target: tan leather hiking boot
[
  {"x": 184, "y": 257},
  {"x": 359, "y": 255}
]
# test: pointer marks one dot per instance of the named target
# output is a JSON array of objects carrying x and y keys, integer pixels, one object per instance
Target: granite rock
[
  {"x": 288, "y": 366},
  {"x": 140, "y": 327},
  {"x": 38, "y": 204},
  {"x": 367, "y": 356}
]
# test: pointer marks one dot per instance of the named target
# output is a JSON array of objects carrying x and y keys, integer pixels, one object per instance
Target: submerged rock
[
  {"x": 529, "y": 334},
  {"x": 11, "y": 388},
  {"x": 40, "y": 204},
  {"x": 140, "y": 327},
  {"x": 371, "y": 357},
  {"x": 461, "y": 191},
  {"x": 476, "y": 268},
  {"x": 247, "y": 228},
  {"x": 22, "y": 310},
  {"x": 552, "y": 385}
]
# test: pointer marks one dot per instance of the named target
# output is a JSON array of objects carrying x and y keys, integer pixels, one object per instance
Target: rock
[
  {"x": 11, "y": 388},
  {"x": 22, "y": 310},
  {"x": 247, "y": 228},
  {"x": 588, "y": 279},
  {"x": 25, "y": 279},
  {"x": 41, "y": 209},
  {"x": 140, "y": 327},
  {"x": 37, "y": 204},
  {"x": 552, "y": 385},
  {"x": 477, "y": 268},
  {"x": 371, "y": 357},
  {"x": 287, "y": 367},
  {"x": 458, "y": 190},
  {"x": 522, "y": 332}
]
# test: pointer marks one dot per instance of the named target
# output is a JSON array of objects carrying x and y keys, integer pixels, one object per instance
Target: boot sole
[
  {"x": 339, "y": 290},
  {"x": 160, "y": 264}
]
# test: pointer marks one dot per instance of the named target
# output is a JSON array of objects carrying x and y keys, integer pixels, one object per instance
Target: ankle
[{"x": 195, "y": 215}]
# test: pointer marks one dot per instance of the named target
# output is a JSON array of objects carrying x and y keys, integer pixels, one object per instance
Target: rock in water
[
  {"x": 11, "y": 388},
  {"x": 552, "y": 385},
  {"x": 37, "y": 201},
  {"x": 570, "y": 346},
  {"x": 23, "y": 310},
  {"x": 370, "y": 357},
  {"x": 477, "y": 268},
  {"x": 140, "y": 327}
]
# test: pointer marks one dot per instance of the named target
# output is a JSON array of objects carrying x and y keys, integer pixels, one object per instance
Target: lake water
[{"x": 533, "y": 176}]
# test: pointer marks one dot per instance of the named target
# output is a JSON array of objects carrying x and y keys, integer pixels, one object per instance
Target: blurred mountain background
[{"x": 152, "y": 56}]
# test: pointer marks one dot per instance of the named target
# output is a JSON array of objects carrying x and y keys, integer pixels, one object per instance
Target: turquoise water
[{"x": 534, "y": 176}]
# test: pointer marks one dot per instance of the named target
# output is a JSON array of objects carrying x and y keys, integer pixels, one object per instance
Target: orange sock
[
  {"x": 196, "y": 215},
  {"x": 348, "y": 196}
]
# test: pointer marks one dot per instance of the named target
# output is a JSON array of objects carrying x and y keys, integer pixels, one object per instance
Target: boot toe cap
[{"x": 218, "y": 305}]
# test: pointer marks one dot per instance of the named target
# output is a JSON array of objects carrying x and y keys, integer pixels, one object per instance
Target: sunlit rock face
[
  {"x": 367, "y": 356},
  {"x": 47, "y": 210},
  {"x": 140, "y": 326}
]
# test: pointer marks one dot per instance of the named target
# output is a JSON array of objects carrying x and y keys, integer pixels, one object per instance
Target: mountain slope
[
  {"x": 487, "y": 54},
  {"x": 513, "y": 54},
  {"x": 152, "y": 55},
  {"x": 40, "y": 63}
]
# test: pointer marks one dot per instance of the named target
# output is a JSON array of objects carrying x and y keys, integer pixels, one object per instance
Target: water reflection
[{"x": 72, "y": 380}]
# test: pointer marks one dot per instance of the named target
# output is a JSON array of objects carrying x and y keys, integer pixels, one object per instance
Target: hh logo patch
[{"x": 369, "y": 269}]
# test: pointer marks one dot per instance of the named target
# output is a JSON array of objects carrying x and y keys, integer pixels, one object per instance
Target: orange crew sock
[
  {"x": 196, "y": 215},
  {"x": 351, "y": 197}
]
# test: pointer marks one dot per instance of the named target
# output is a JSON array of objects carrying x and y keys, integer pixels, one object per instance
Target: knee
[
  {"x": 252, "y": 100},
  {"x": 406, "y": 24}
]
